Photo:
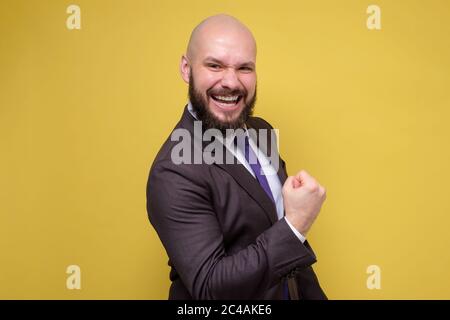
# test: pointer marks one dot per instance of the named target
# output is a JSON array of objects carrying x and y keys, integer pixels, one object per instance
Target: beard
[{"x": 209, "y": 120}]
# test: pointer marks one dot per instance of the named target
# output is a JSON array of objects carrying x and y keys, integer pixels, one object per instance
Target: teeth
[{"x": 227, "y": 98}]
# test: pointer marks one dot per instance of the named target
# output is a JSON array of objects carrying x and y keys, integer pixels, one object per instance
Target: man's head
[{"x": 219, "y": 66}]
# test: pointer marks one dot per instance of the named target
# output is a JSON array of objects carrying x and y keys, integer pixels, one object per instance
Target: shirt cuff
[{"x": 298, "y": 234}]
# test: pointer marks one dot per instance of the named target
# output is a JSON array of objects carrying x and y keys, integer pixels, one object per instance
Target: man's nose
[{"x": 230, "y": 79}]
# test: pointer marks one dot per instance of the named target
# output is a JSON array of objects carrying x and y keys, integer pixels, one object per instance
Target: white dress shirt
[{"x": 269, "y": 172}]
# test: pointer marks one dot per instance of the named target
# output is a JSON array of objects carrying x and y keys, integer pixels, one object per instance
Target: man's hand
[{"x": 303, "y": 197}]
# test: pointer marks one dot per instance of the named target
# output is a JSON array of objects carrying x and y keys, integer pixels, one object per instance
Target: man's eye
[
  {"x": 246, "y": 69},
  {"x": 214, "y": 66}
]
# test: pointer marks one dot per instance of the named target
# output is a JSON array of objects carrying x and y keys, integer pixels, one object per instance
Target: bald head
[
  {"x": 220, "y": 68},
  {"x": 220, "y": 30}
]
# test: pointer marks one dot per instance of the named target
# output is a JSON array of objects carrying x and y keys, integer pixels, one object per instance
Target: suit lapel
[
  {"x": 282, "y": 174},
  {"x": 241, "y": 175},
  {"x": 249, "y": 183},
  {"x": 251, "y": 186}
]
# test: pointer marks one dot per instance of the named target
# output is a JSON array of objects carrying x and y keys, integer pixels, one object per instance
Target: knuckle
[{"x": 314, "y": 186}]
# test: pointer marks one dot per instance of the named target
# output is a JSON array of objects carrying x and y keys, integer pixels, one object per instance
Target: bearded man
[{"x": 232, "y": 230}]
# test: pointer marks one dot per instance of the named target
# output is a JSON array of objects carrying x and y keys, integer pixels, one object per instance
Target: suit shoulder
[
  {"x": 259, "y": 123},
  {"x": 169, "y": 168}
]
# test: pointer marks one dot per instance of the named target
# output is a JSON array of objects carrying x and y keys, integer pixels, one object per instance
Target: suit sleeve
[{"x": 180, "y": 209}]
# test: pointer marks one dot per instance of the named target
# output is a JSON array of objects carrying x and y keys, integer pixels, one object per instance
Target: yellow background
[{"x": 83, "y": 113}]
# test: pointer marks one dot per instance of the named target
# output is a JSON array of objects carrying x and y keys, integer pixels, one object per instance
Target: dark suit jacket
[{"x": 221, "y": 231}]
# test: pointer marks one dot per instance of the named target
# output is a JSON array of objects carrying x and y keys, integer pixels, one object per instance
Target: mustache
[{"x": 225, "y": 92}]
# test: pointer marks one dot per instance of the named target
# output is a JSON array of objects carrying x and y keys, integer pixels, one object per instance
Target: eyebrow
[{"x": 214, "y": 60}]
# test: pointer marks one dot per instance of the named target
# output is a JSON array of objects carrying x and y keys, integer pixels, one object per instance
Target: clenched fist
[{"x": 303, "y": 197}]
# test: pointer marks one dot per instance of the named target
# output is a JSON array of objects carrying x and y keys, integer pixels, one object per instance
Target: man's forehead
[
  {"x": 226, "y": 48},
  {"x": 224, "y": 35}
]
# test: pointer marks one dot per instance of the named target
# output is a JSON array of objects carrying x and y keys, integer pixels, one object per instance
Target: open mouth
[{"x": 227, "y": 100}]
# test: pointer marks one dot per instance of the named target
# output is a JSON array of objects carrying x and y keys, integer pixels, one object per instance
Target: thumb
[{"x": 303, "y": 177}]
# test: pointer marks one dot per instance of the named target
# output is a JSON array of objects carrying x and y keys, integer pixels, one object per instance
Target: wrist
[{"x": 299, "y": 224}]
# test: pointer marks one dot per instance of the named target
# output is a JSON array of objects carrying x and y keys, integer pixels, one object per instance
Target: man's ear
[{"x": 185, "y": 68}]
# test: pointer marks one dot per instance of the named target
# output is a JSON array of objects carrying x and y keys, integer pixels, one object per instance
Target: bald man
[{"x": 234, "y": 225}]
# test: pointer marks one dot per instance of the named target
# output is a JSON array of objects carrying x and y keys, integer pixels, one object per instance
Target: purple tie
[{"x": 253, "y": 161}]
